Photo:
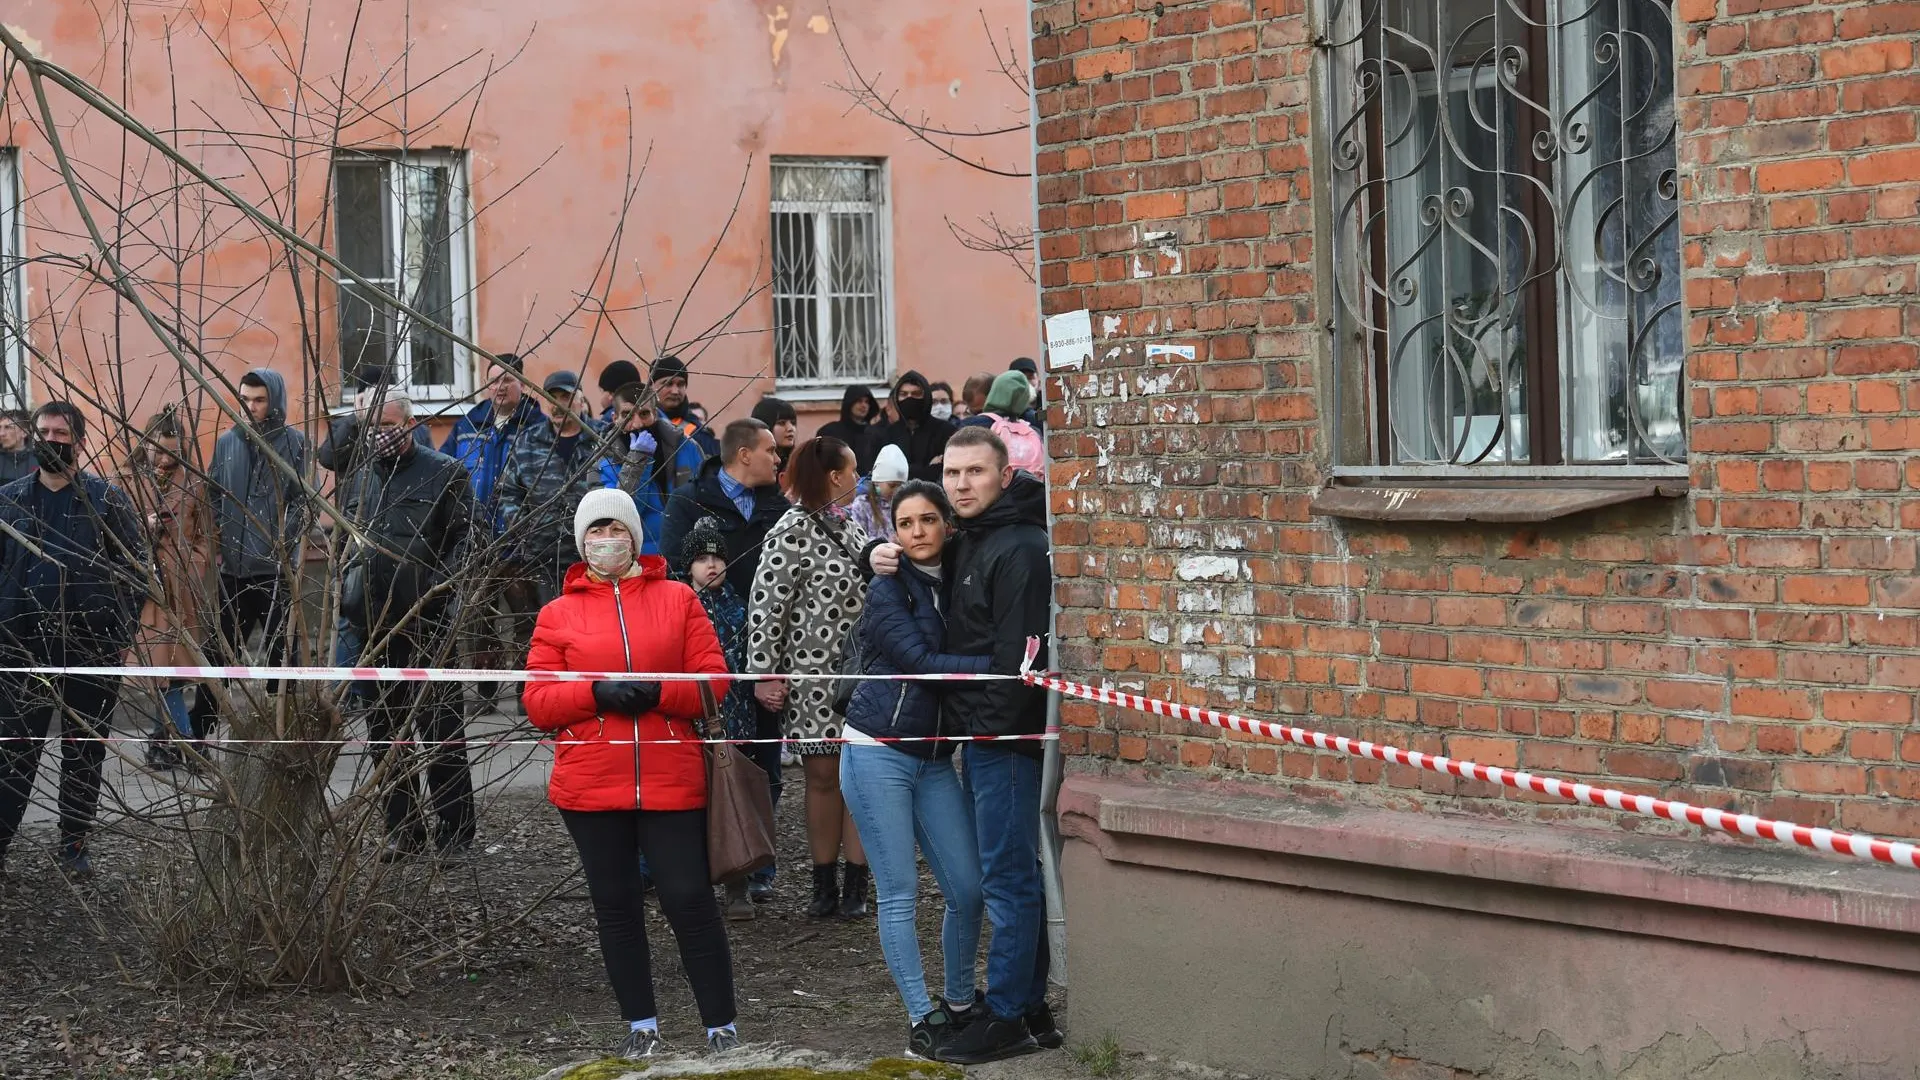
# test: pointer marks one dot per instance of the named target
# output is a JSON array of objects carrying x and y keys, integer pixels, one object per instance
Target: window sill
[
  {"x": 1487, "y": 501},
  {"x": 809, "y": 393}
]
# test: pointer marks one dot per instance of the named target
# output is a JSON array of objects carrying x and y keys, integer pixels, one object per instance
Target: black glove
[{"x": 626, "y": 697}]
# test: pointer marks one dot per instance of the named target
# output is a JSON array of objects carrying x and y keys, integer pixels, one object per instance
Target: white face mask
[
  {"x": 942, "y": 411},
  {"x": 608, "y": 556}
]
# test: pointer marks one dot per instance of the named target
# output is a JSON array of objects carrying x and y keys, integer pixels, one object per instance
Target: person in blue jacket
[
  {"x": 900, "y": 792},
  {"x": 649, "y": 458},
  {"x": 505, "y": 596}
]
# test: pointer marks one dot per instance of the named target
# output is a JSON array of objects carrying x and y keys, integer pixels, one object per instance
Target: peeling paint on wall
[
  {"x": 819, "y": 24},
  {"x": 777, "y": 30}
]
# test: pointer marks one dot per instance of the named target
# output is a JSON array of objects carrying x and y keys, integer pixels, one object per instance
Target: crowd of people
[{"x": 555, "y": 531}]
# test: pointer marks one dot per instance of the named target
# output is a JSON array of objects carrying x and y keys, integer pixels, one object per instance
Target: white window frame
[
  {"x": 460, "y": 263},
  {"x": 832, "y": 384},
  {"x": 13, "y": 283}
]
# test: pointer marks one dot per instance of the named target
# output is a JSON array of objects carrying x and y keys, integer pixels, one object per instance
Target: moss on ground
[{"x": 884, "y": 1069}]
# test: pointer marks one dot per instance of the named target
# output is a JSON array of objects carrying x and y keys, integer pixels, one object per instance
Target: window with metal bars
[
  {"x": 1506, "y": 235},
  {"x": 830, "y": 262},
  {"x": 401, "y": 222},
  {"x": 13, "y": 286}
]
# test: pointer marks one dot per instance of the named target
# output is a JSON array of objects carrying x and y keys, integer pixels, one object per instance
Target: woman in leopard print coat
[{"x": 806, "y": 599}]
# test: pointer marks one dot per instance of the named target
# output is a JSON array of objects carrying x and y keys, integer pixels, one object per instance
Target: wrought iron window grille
[
  {"x": 1506, "y": 237},
  {"x": 831, "y": 251}
]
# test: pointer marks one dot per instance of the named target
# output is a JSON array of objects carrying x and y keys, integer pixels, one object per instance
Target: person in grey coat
[
  {"x": 260, "y": 513},
  {"x": 16, "y": 449}
]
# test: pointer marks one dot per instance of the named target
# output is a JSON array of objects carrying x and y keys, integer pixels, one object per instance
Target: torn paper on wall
[
  {"x": 1169, "y": 354},
  {"x": 1069, "y": 340}
]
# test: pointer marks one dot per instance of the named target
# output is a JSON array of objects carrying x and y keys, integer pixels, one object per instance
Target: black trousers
[
  {"x": 675, "y": 846},
  {"x": 27, "y": 708},
  {"x": 428, "y": 714},
  {"x": 246, "y": 605}
]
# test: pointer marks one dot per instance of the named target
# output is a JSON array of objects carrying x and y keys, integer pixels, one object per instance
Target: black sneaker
[
  {"x": 1044, "y": 1031},
  {"x": 162, "y": 756},
  {"x": 400, "y": 849},
  {"x": 722, "y": 1041},
  {"x": 925, "y": 1039},
  {"x": 992, "y": 1039},
  {"x": 644, "y": 1043},
  {"x": 961, "y": 1018},
  {"x": 453, "y": 850},
  {"x": 760, "y": 892}
]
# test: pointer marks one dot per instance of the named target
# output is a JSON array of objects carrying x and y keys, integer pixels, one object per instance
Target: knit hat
[
  {"x": 607, "y": 504},
  {"x": 1010, "y": 394},
  {"x": 890, "y": 466},
  {"x": 1024, "y": 365},
  {"x": 703, "y": 539},
  {"x": 668, "y": 367},
  {"x": 618, "y": 375}
]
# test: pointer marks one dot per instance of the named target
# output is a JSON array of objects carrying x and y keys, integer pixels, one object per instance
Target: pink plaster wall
[{"x": 712, "y": 85}]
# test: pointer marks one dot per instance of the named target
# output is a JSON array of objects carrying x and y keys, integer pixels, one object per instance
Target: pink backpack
[{"x": 1025, "y": 450}]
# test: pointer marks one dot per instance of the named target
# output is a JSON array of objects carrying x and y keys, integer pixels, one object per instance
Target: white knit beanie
[
  {"x": 890, "y": 466},
  {"x": 611, "y": 504}
]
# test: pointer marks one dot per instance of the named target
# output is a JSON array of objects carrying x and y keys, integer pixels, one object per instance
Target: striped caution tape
[{"x": 1858, "y": 845}]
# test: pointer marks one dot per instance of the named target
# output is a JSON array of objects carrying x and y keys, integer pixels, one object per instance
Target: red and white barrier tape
[
  {"x": 1858, "y": 845},
  {"x": 392, "y": 674},
  {"x": 222, "y": 742}
]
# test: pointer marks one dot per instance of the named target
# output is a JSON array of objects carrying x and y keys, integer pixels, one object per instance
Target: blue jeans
[
  {"x": 1006, "y": 821},
  {"x": 347, "y": 647},
  {"x": 897, "y": 798}
]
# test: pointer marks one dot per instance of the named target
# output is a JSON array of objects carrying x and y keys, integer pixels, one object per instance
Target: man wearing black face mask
[
  {"x": 919, "y": 436},
  {"x": 74, "y": 573}
]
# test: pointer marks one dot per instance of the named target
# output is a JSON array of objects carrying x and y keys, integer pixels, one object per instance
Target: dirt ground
[{"x": 78, "y": 1001}]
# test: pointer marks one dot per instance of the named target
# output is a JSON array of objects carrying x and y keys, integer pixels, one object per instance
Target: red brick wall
[{"x": 1751, "y": 646}]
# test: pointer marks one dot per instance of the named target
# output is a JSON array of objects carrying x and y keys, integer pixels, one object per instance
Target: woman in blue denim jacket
[{"x": 900, "y": 792}]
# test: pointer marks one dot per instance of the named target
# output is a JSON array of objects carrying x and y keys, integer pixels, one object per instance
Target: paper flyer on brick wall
[{"x": 1069, "y": 340}]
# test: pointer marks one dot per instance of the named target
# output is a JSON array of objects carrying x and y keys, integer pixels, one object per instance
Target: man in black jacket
[
  {"x": 74, "y": 574},
  {"x": 1000, "y": 582},
  {"x": 737, "y": 488},
  {"x": 418, "y": 511},
  {"x": 918, "y": 435}
]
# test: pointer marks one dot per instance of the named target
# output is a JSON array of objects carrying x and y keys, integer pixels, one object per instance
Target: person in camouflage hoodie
[{"x": 551, "y": 467}]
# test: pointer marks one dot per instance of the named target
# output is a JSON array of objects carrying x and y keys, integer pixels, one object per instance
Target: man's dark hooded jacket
[
  {"x": 856, "y": 433},
  {"x": 1000, "y": 581},
  {"x": 923, "y": 439},
  {"x": 259, "y": 510}
]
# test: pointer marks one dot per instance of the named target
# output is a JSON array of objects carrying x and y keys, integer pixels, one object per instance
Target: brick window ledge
[
  {"x": 1700, "y": 889},
  {"x": 1488, "y": 501}
]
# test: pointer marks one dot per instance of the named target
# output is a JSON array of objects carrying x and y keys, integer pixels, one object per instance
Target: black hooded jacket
[
  {"x": 999, "y": 577},
  {"x": 853, "y": 432},
  {"x": 923, "y": 442}
]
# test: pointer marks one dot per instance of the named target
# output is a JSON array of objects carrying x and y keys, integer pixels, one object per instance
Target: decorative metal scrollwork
[{"x": 1505, "y": 176}]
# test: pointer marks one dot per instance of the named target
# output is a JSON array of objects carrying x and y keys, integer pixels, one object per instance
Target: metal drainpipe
[{"x": 1052, "y": 765}]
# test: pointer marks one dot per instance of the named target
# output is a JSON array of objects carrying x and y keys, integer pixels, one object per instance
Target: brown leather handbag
[{"x": 739, "y": 804}]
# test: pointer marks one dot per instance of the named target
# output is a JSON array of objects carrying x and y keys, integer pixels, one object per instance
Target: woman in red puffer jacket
[{"x": 623, "y": 790}]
